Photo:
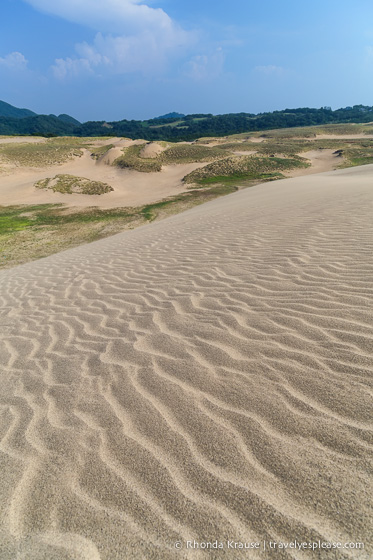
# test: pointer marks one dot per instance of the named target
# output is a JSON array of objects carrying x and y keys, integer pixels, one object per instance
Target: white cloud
[
  {"x": 64, "y": 67},
  {"x": 14, "y": 61},
  {"x": 132, "y": 37},
  {"x": 145, "y": 52},
  {"x": 205, "y": 66},
  {"x": 111, "y": 16}
]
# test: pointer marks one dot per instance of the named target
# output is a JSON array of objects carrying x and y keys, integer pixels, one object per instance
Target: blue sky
[{"x": 115, "y": 59}]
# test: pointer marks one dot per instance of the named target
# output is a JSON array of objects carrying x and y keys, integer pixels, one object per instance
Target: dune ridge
[{"x": 206, "y": 377}]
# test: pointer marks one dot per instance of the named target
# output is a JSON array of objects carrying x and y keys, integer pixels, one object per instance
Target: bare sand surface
[
  {"x": 207, "y": 377},
  {"x": 131, "y": 188},
  {"x": 245, "y": 153},
  {"x": 320, "y": 162},
  {"x": 152, "y": 150}
]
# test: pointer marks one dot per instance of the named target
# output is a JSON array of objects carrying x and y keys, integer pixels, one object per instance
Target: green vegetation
[
  {"x": 131, "y": 159},
  {"x": 69, "y": 184},
  {"x": 96, "y": 153},
  {"x": 191, "y": 127},
  {"x": 234, "y": 169},
  {"x": 32, "y": 232},
  {"x": 239, "y": 179},
  {"x": 355, "y": 154},
  {"x": 12, "y": 220},
  {"x": 189, "y": 153},
  {"x": 178, "y": 153},
  {"x": 7, "y": 110},
  {"x": 245, "y": 146},
  {"x": 44, "y": 153},
  {"x": 29, "y": 232},
  {"x": 360, "y": 161},
  {"x": 285, "y": 147}
]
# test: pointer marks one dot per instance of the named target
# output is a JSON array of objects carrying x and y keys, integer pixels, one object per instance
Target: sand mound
[
  {"x": 110, "y": 156},
  {"x": 151, "y": 150},
  {"x": 70, "y": 184},
  {"x": 207, "y": 377}
]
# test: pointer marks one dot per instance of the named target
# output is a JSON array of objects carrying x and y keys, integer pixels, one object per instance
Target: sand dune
[
  {"x": 206, "y": 377},
  {"x": 152, "y": 150}
]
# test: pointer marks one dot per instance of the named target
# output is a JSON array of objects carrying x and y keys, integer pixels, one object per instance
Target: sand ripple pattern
[{"x": 205, "y": 377}]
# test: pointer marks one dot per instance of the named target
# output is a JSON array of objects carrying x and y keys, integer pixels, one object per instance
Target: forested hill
[
  {"x": 23, "y": 121},
  {"x": 7, "y": 110},
  {"x": 188, "y": 127}
]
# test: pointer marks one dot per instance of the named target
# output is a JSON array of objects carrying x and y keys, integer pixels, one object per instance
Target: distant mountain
[
  {"x": 68, "y": 119},
  {"x": 181, "y": 128},
  {"x": 170, "y": 116},
  {"x": 7, "y": 110},
  {"x": 38, "y": 125}
]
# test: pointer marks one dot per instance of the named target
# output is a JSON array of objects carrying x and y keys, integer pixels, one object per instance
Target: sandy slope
[{"x": 204, "y": 377}]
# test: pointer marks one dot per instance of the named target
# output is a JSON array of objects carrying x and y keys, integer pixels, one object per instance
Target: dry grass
[
  {"x": 96, "y": 153},
  {"x": 312, "y": 131},
  {"x": 69, "y": 184},
  {"x": 131, "y": 159},
  {"x": 190, "y": 153},
  {"x": 357, "y": 154},
  {"x": 43, "y": 154},
  {"x": 245, "y": 167},
  {"x": 243, "y": 146}
]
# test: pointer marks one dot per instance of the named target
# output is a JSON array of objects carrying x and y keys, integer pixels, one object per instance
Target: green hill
[
  {"x": 7, "y": 110},
  {"x": 68, "y": 119},
  {"x": 176, "y": 127},
  {"x": 39, "y": 125}
]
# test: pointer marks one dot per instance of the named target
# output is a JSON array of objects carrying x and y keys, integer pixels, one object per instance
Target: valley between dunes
[{"x": 131, "y": 188}]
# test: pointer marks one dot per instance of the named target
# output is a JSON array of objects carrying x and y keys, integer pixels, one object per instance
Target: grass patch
[
  {"x": 357, "y": 153},
  {"x": 96, "y": 153},
  {"x": 31, "y": 232},
  {"x": 238, "y": 146},
  {"x": 178, "y": 153},
  {"x": 361, "y": 161},
  {"x": 312, "y": 131},
  {"x": 69, "y": 184},
  {"x": 18, "y": 218},
  {"x": 240, "y": 178},
  {"x": 131, "y": 160},
  {"x": 189, "y": 153},
  {"x": 243, "y": 168},
  {"x": 54, "y": 151}
]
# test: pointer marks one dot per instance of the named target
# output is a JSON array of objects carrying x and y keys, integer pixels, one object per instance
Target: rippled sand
[{"x": 206, "y": 377}]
